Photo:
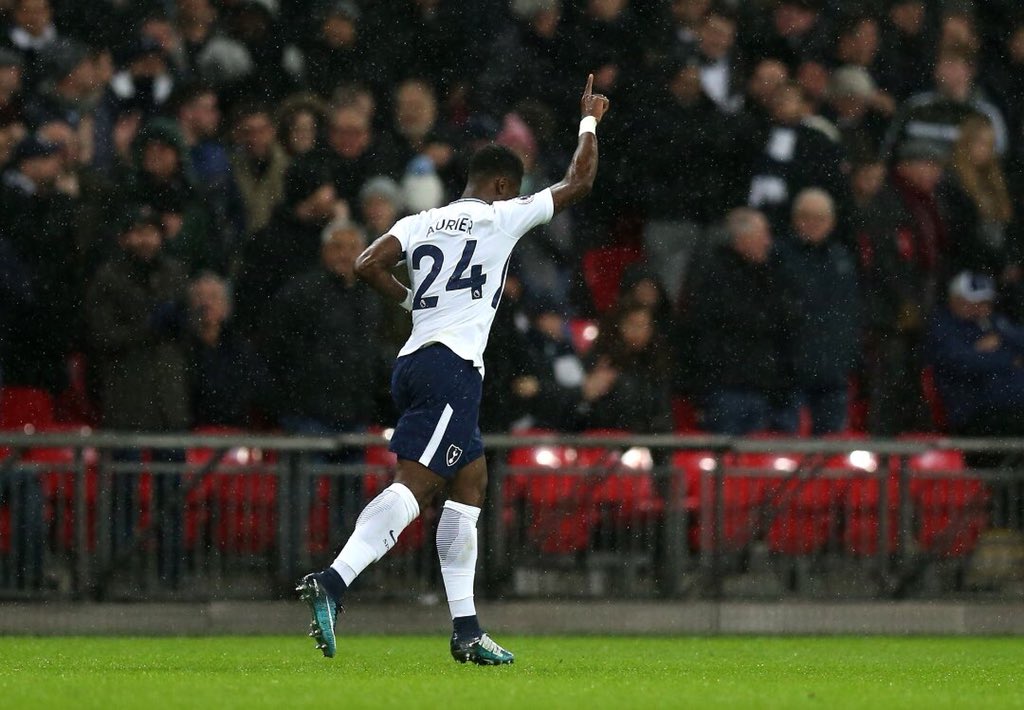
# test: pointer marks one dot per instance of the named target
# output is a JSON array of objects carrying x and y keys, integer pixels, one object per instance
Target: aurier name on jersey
[{"x": 457, "y": 256}]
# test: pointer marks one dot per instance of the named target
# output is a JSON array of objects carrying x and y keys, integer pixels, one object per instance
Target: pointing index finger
[{"x": 590, "y": 85}]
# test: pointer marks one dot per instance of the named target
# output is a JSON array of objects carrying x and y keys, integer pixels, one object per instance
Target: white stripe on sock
[{"x": 435, "y": 439}]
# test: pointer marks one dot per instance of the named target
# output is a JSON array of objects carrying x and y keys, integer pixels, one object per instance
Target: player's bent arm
[
  {"x": 375, "y": 265},
  {"x": 579, "y": 178}
]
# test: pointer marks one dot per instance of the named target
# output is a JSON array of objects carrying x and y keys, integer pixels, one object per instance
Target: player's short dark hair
[{"x": 493, "y": 161}]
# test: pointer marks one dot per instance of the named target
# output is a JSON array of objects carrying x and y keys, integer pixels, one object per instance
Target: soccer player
[{"x": 457, "y": 258}]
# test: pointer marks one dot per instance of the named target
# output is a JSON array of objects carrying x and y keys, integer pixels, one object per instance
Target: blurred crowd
[{"x": 808, "y": 216}]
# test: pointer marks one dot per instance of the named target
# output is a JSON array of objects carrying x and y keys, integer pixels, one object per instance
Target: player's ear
[{"x": 501, "y": 186}]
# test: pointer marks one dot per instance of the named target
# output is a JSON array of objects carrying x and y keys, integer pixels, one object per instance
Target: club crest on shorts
[{"x": 454, "y": 452}]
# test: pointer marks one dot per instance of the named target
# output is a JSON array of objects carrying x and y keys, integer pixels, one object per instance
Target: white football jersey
[{"x": 458, "y": 256}]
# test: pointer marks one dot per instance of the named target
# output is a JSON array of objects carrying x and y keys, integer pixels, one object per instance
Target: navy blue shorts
[{"x": 438, "y": 395}]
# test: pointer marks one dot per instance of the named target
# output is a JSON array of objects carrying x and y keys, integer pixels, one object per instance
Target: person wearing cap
[
  {"x": 978, "y": 360},
  {"x": 936, "y": 115},
  {"x": 904, "y": 245},
  {"x": 135, "y": 317}
]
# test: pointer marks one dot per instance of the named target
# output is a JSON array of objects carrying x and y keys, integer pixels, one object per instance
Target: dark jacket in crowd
[
  {"x": 320, "y": 343},
  {"x": 228, "y": 382},
  {"x": 932, "y": 117},
  {"x": 903, "y": 248},
  {"x": 639, "y": 401},
  {"x": 556, "y": 366},
  {"x": 136, "y": 319},
  {"x": 821, "y": 280},
  {"x": 39, "y": 227},
  {"x": 691, "y": 174},
  {"x": 742, "y": 322},
  {"x": 791, "y": 159},
  {"x": 970, "y": 381},
  {"x": 286, "y": 247},
  {"x": 975, "y": 244}
]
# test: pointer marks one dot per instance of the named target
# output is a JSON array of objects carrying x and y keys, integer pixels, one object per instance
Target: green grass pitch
[{"x": 582, "y": 673}]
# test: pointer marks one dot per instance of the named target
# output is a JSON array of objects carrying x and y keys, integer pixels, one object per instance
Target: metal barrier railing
[{"x": 130, "y": 516}]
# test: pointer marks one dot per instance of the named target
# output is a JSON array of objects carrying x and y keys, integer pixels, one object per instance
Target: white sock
[
  {"x": 377, "y": 530},
  {"x": 456, "y": 548}
]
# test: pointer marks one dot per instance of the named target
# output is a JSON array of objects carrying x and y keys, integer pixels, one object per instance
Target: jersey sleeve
[
  {"x": 403, "y": 231},
  {"x": 517, "y": 217}
]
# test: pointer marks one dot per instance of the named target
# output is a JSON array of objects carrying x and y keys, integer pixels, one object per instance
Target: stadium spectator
[
  {"x": 289, "y": 245},
  {"x": 301, "y": 122},
  {"x": 354, "y": 152},
  {"x": 907, "y": 53},
  {"x": 936, "y": 115},
  {"x": 529, "y": 61},
  {"x": 978, "y": 356},
  {"x": 162, "y": 177},
  {"x": 794, "y": 156},
  {"x": 680, "y": 32},
  {"x": 65, "y": 92},
  {"x": 136, "y": 318},
  {"x": 339, "y": 51},
  {"x": 627, "y": 385},
  {"x": 853, "y": 107},
  {"x": 820, "y": 276},
  {"x": 380, "y": 204},
  {"x": 692, "y": 131},
  {"x": 743, "y": 330},
  {"x": 510, "y": 383},
  {"x": 39, "y": 222},
  {"x": 857, "y": 41},
  {"x": 416, "y": 130},
  {"x": 135, "y": 310},
  {"x": 198, "y": 116},
  {"x": 227, "y": 380},
  {"x": 259, "y": 164},
  {"x": 904, "y": 247},
  {"x": 792, "y": 32},
  {"x": 976, "y": 201},
  {"x": 722, "y": 71},
  {"x": 12, "y": 99},
  {"x": 31, "y": 33},
  {"x": 320, "y": 343},
  {"x": 551, "y": 392}
]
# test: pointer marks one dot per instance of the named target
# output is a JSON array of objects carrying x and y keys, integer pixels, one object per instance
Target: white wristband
[
  {"x": 588, "y": 125},
  {"x": 407, "y": 303}
]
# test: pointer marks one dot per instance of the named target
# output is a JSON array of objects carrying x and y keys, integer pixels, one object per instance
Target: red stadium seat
[
  {"x": 951, "y": 505},
  {"x": 237, "y": 492},
  {"x": 602, "y": 272},
  {"x": 22, "y": 407}
]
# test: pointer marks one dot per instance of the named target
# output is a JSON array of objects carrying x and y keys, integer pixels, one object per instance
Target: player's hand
[{"x": 592, "y": 104}]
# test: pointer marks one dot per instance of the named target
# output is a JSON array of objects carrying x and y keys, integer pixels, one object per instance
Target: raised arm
[
  {"x": 375, "y": 265},
  {"x": 579, "y": 178}
]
